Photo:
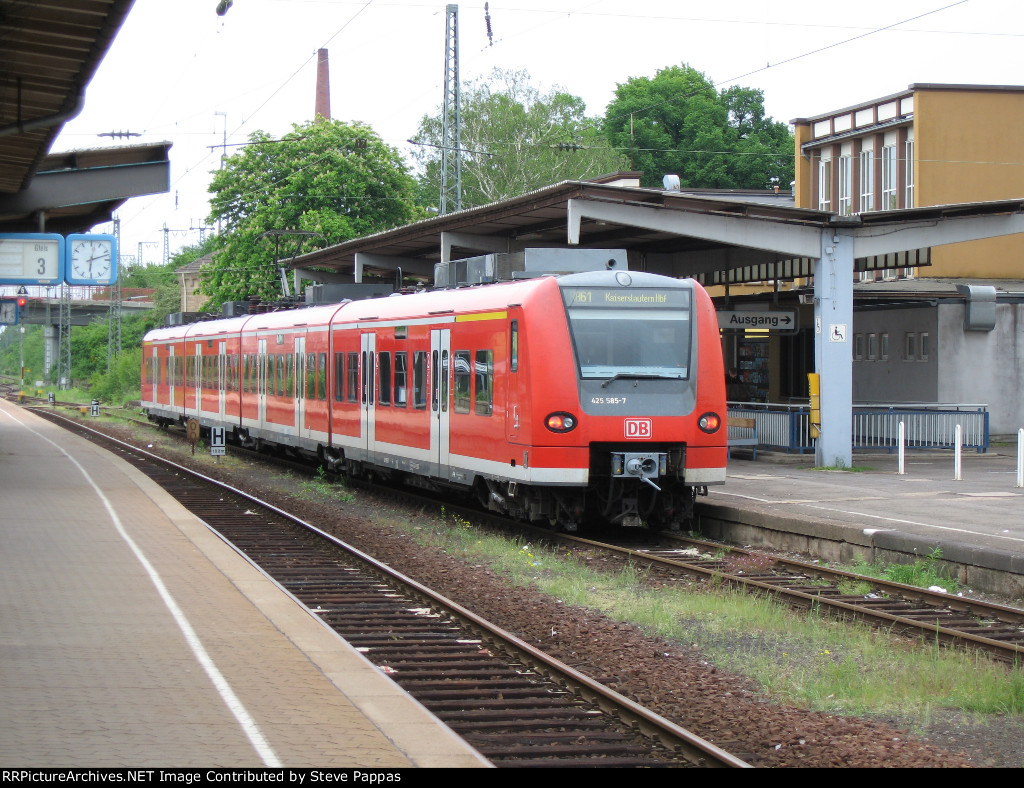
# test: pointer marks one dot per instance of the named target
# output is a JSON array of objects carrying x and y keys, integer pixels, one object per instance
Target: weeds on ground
[{"x": 925, "y": 572}]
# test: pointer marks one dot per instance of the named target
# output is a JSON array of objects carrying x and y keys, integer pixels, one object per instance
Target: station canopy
[{"x": 718, "y": 237}]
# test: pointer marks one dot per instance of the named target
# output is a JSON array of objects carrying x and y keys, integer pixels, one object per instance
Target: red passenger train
[{"x": 555, "y": 399}]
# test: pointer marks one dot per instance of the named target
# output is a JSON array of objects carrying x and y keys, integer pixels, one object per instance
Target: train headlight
[
  {"x": 561, "y": 422},
  {"x": 709, "y": 422}
]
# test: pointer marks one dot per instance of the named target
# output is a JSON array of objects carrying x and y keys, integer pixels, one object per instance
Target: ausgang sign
[{"x": 777, "y": 320}]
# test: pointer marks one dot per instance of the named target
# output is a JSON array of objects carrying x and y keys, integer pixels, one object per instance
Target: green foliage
[
  {"x": 923, "y": 573},
  {"x": 515, "y": 140},
  {"x": 678, "y": 123},
  {"x": 335, "y": 179}
]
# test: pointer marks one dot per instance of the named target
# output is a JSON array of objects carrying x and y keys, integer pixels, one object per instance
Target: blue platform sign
[{"x": 31, "y": 259}]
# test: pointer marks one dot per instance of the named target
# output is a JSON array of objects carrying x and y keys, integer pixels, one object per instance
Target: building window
[
  {"x": 867, "y": 181},
  {"x": 872, "y": 346},
  {"x": 910, "y": 346},
  {"x": 845, "y": 185},
  {"x": 825, "y": 185},
  {"x": 883, "y": 346},
  {"x": 890, "y": 162},
  {"x": 923, "y": 346},
  {"x": 858, "y": 347},
  {"x": 909, "y": 172}
]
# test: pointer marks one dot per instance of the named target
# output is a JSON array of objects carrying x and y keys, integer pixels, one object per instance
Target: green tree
[
  {"x": 678, "y": 123},
  {"x": 515, "y": 139},
  {"x": 330, "y": 178}
]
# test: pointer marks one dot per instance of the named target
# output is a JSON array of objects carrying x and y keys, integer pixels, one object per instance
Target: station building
[{"x": 941, "y": 324}]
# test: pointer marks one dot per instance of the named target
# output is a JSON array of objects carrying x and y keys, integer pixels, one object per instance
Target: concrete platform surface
[
  {"x": 976, "y": 522},
  {"x": 132, "y": 636}
]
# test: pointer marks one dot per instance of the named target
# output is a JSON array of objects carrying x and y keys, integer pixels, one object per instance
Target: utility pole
[
  {"x": 451, "y": 143},
  {"x": 114, "y": 315}
]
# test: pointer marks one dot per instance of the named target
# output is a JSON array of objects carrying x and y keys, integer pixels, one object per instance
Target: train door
[
  {"x": 261, "y": 386},
  {"x": 440, "y": 361},
  {"x": 368, "y": 349},
  {"x": 513, "y": 414},
  {"x": 300, "y": 385},
  {"x": 222, "y": 372}
]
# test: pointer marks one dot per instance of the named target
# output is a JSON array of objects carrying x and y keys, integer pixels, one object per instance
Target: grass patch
[
  {"x": 325, "y": 488},
  {"x": 923, "y": 573},
  {"x": 798, "y": 658}
]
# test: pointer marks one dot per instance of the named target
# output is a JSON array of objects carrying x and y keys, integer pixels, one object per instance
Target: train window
[
  {"x": 484, "y": 372},
  {"x": 419, "y": 379},
  {"x": 463, "y": 381},
  {"x": 384, "y": 378},
  {"x": 321, "y": 376},
  {"x": 443, "y": 379},
  {"x": 353, "y": 377},
  {"x": 311, "y": 376},
  {"x": 645, "y": 333},
  {"x": 339, "y": 377},
  {"x": 401, "y": 379},
  {"x": 514, "y": 347}
]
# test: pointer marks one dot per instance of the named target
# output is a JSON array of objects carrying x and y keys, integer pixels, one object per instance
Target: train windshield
[{"x": 637, "y": 333}]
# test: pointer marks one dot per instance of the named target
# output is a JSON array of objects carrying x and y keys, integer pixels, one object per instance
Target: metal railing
[{"x": 875, "y": 426}]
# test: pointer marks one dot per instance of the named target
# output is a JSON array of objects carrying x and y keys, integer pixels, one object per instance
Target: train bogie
[{"x": 555, "y": 399}]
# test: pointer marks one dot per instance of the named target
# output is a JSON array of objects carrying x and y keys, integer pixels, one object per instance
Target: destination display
[
  {"x": 31, "y": 259},
  {"x": 582, "y": 297}
]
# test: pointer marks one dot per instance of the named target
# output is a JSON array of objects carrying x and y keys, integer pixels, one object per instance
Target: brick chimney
[{"x": 323, "y": 87}]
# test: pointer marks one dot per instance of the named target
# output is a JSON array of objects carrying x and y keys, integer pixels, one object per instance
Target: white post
[
  {"x": 1020, "y": 458},
  {"x": 900, "y": 440},
  {"x": 957, "y": 476}
]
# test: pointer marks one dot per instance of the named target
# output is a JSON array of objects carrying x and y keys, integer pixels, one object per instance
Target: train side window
[
  {"x": 280, "y": 374},
  {"x": 401, "y": 379},
  {"x": 463, "y": 381},
  {"x": 289, "y": 375},
  {"x": 384, "y": 378},
  {"x": 321, "y": 376},
  {"x": 339, "y": 377},
  {"x": 514, "y": 347},
  {"x": 419, "y": 378},
  {"x": 484, "y": 371},
  {"x": 311, "y": 376},
  {"x": 443, "y": 377},
  {"x": 353, "y": 377}
]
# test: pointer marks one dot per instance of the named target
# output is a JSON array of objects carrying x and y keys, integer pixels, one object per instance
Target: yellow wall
[
  {"x": 802, "y": 174},
  {"x": 969, "y": 147}
]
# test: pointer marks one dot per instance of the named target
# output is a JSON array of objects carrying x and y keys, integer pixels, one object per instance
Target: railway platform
[
  {"x": 132, "y": 637},
  {"x": 972, "y": 526}
]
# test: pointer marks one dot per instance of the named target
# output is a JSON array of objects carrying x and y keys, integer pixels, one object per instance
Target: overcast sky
[{"x": 177, "y": 72}]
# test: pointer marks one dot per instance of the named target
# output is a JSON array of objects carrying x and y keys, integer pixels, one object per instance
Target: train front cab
[{"x": 647, "y": 406}]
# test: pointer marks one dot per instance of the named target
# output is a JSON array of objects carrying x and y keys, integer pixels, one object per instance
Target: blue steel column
[{"x": 833, "y": 358}]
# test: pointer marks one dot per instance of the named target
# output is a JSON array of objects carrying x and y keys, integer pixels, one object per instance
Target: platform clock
[{"x": 91, "y": 259}]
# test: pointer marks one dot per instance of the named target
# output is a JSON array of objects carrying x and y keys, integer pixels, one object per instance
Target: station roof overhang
[
  {"x": 49, "y": 52},
  {"x": 717, "y": 237}
]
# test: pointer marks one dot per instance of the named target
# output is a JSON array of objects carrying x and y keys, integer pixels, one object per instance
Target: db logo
[{"x": 639, "y": 428}]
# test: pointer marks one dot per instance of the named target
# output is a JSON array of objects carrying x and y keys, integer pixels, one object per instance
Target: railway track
[
  {"x": 902, "y": 609},
  {"x": 952, "y": 620},
  {"x": 518, "y": 706}
]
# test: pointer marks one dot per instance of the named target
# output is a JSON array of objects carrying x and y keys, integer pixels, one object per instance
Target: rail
[{"x": 787, "y": 427}]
